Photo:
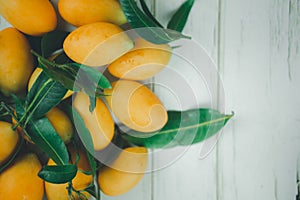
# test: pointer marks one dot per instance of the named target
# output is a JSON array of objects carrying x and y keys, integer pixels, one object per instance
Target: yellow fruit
[
  {"x": 80, "y": 181},
  {"x": 97, "y": 44},
  {"x": 34, "y": 17},
  {"x": 142, "y": 62},
  {"x": 136, "y": 106},
  {"x": 20, "y": 181},
  {"x": 61, "y": 123},
  {"x": 81, "y": 12},
  {"x": 99, "y": 123},
  {"x": 125, "y": 172},
  {"x": 34, "y": 77},
  {"x": 9, "y": 141},
  {"x": 16, "y": 61}
]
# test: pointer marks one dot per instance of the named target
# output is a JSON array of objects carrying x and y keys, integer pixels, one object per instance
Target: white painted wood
[
  {"x": 189, "y": 177},
  {"x": 257, "y": 155}
]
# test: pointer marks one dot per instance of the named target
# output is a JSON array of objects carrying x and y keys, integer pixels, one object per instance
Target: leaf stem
[{"x": 32, "y": 103}]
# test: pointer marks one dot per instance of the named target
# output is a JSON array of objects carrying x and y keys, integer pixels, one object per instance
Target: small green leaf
[
  {"x": 146, "y": 27},
  {"x": 180, "y": 17},
  {"x": 82, "y": 130},
  {"x": 149, "y": 14},
  {"x": 183, "y": 128},
  {"x": 58, "y": 174},
  {"x": 52, "y": 41},
  {"x": 44, "y": 135},
  {"x": 44, "y": 95}
]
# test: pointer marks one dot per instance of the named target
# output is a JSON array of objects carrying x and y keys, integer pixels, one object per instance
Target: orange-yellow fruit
[
  {"x": 136, "y": 106},
  {"x": 142, "y": 62},
  {"x": 81, "y": 12},
  {"x": 34, "y": 17},
  {"x": 80, "y": 181},
  {"x": 61, "y": 123},
  {"x": 9, "y": 141},
  {"x": 20, "y": 181},
  {"x": 16, "y": 61},
  {"x": 99, "y": 123},
  {"x": 97, "y": 44},
  {"x": 125, "y": 172},
  {"x": 34, "y": 77}
]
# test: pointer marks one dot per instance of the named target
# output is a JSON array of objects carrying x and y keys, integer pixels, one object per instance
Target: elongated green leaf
[
  {"x": 82, "y": 130},
  {"x": 180, "y": 17},
  {"x": 42, "y": 133},
  {"x": 182, "y": 128},
  {"x": 58, "y": 174},
  {"x": 62, "y": 76},
  {"x": 75, "y": 77},
  {"x": 149, "y": 14},
  {"x": 52, "y": 41},
  {"x": 44, "y": 95},
  {"x": 145, "y": 26},
  {"x": 93, "y": 75},
  {"x": 46, "y": 138}
]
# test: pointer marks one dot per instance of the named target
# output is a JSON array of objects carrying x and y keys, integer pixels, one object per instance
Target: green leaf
[
  {"x": 44, "y": 135},
  {"x": 148, "y": 13},
  {"x": 90, "y": 74},
  {"x": 146, "y": 27},
  {"x": 44, "y": 95},
  {"x": 58, "y": 174},
  {"x": 180, "y": 17},
  {"x": 183, "y": 128},
  {"x": 82, "y": 130},
  {"x": 75, "y": 77},
  {"x": 52, "y": 41},
  {"x": 62, "y": 76}
]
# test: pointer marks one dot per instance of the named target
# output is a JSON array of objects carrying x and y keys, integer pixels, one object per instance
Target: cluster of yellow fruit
[{"x": 96, "y": 41}]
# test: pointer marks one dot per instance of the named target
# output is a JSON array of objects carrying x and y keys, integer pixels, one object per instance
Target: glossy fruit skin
[
  {"x": 97, "y": 44},
  {"x": 16, "y": 61},
  {"x": 34, "y": 77},
  {"x": 100, "y": 123},
  {"x": 136, "y": 106},
  {"x": 9, "y": 141},
  {"x": 20, "y": 181},
  {"x": 80, "y": 181},
  {"x": 34, "y": 17},
  {"x": 82, "y": 12},
  {"x": 61, "y": 123},
  {"x": 125, "y": 172},
  {"x": 143, "y": 62}
]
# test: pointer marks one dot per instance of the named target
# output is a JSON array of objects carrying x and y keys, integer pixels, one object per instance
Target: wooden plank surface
[
  {"x": 189, "y": 177},
  {"x": 260, "y": 66}
]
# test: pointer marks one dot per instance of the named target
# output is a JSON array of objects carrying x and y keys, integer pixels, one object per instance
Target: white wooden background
[{"x": 256, "y": 44}]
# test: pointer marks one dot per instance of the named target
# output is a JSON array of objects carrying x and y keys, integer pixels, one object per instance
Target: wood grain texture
[
  {"x": 188, "y": 177},
  {"x": 257, "y": 155}
]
